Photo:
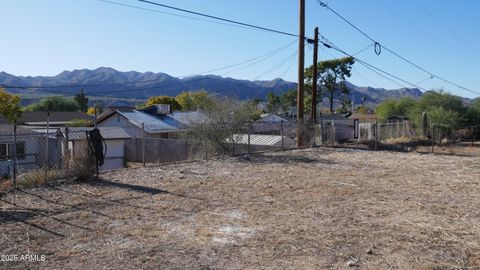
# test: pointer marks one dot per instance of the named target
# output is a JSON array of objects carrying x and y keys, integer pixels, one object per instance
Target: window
[
  {"x": 3, "y": 151},
  {"x": 21, "y": 151},
  {"x": 6, "y": 151}
]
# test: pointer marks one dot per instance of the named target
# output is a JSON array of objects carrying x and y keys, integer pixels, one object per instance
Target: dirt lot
[{"x": 301, "y": 209}]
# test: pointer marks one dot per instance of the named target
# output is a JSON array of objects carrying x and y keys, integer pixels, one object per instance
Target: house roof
[
  {"x": 259, "y": 139},
  {"x": 7, "y": 130},
  {"x": 108, "y": 133},
  {"x": 162, "y": 123},
  {"x": 276, "y": 118},
  {"x": 35, "y": 118},
  {"x": 363, "y": 116},
  {"x": 333, "y": 116},
  {"x": 112, "y": 110}
]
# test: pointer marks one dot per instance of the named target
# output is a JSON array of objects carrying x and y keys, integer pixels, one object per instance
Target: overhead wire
[
  {"x": 377, "y": 44},
  {"x": 220, "y": 18}
]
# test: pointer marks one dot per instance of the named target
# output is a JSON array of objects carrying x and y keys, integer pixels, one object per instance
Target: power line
[
  {"x": 220, "y": 18},
  {"x": 369, "y": 66},
  {"x": 439, "y": 41},
  {"x": 396, "y": 54},
  {"x": 446, "y": 27},
  {"x": 276, "y": 66},
  {"x": 173, "y": 14}
]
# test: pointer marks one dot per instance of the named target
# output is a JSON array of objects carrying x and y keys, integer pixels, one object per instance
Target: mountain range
[{"x": 108, "y": 82}]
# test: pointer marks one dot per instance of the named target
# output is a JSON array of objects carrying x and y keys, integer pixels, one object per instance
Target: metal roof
[
  {"x": 163, "y": 123},
  {"x": 108, "y": 133},
  {"x": 259, "y": 139}
]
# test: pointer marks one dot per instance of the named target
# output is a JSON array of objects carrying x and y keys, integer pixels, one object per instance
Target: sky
[{"x": 44, "y": 38}]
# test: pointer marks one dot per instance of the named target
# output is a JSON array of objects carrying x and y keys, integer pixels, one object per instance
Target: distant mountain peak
[{"x": 142, "y": 85}]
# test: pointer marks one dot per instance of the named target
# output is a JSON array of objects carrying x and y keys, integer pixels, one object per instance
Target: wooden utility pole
[
  {"x": 315, "y": 78},
  {"x": 82, "y": 100},
  {"x": 301, "y": 75}
]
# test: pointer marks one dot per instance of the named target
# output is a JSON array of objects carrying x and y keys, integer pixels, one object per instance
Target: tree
[
  {"x": 91, "y": 110},
  {"x": 441, "y": 99},
  {"x": 402, "y": 107},
  {"x": 273, "y": 102},
  {"x": 10, "y": 106},
  {"x": 164, "y": 100},
  {"x": 331, "y": 74},
  {"x": 82, "y": 101},
  {"x": 444, "y": 119},
  {"x": 190, "y": 101},
  {"x": 288, "y": 99},
  {"x": 54, "y": 104}
]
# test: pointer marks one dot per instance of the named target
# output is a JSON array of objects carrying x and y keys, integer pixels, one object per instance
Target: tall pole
[
  {"x": 82, "y": 100},
  {"x": 301, "y": 75},
  {"x": 315, "y": 78}
]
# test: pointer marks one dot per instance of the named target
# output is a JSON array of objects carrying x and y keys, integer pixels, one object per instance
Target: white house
[{"x": 28, "y": 149}]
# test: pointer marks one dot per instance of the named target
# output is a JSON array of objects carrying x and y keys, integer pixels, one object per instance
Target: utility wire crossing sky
[{"x": 429, "y": 44}]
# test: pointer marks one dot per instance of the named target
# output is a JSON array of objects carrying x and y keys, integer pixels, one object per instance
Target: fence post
[
  {"x": 14, "y": 155},
  {"x": 249, "y": 132},
  {"x": 282, "y": 133},
  {"x": 333, "y": 132},
  {"x": 205, "y": 142},
  {"x": 143, "y": 144},
  {"x": 375, "y": 131},
  {"x": 432, "y": 128},
  {"x": 47, "y": 146},
  {"x": 472, "y": 134}
]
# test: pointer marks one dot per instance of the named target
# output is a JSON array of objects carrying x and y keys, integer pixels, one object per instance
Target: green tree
[
  {"x": 164, "y": 100},
  {"x": 331, "y": 74},
  {"x": 444, "y": 119},
  {"x": 402, "y": 107},
  {"x": 288, "y": 99},
  {"x": 10, "y": 106},
  {"x": 190, "y": 101},
  {"x": 82, "y": 102},
  {"x": 273, "y": 102},
  {"x": 54, "y": 104},
  {"x": 445, "y": 100}
]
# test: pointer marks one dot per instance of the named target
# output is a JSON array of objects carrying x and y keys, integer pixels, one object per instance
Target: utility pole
[
  {"x": 301, "y": 75},
  {"x": 315, "y": 78},
  {"x": 82, "y": 100}
]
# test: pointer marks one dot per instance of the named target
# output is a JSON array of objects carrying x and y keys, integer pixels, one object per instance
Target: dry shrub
[{"x": 78, "y": 168}]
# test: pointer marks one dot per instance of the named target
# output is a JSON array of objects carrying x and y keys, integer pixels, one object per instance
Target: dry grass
[
  {"x": 302, "y": 209},
  {"x": 78, "y": 168}
]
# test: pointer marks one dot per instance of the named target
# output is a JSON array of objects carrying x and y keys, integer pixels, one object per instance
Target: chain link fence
[{"x": 31, "y": 157}]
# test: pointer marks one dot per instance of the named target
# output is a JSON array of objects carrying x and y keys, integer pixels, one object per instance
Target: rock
[
  {"x": 369, "y": 251},
  {"x": 352, "y": 263}
]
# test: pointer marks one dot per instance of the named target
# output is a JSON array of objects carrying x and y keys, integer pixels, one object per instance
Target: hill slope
[{"x": 136, "y": 85}]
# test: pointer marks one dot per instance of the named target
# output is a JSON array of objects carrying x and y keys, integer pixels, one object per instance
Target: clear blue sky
[{"x": 49, "y": 36}]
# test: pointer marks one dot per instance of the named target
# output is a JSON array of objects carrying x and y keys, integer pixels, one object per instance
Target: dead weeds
[{"x": 301, "y": 209}]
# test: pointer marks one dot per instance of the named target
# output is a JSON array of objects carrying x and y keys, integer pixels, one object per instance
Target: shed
[{"x": 114, "y": 137}]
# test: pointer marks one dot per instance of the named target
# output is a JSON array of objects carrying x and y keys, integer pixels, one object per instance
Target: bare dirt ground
[{"x": 301, "y": 209}]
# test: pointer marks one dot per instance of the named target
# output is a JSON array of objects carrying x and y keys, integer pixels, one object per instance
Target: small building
[
  {"x": 364, "y": 117},
  {"x": 115, "y": 140},
  {"x": 275, "y": 124},
  {"x": 343, "y": 126},
  {"x": 397, "y": 119},
  {"x": 29, "y": 149}
]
